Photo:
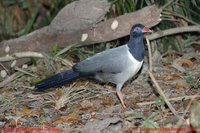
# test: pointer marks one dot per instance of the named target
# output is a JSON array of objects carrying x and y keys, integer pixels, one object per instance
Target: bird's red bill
[{"x": 145, "y": 29}]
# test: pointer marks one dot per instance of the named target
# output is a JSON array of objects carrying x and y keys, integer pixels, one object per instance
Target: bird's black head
[
  {"x": 136, "y": 44},
  {"x": 138, "y": 30}
]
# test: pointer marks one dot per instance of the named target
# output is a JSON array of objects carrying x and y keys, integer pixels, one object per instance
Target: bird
[{"x": 115, "y": 65}]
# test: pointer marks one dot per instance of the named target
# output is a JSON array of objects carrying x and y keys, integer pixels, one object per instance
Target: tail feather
[{"x": 57, "y": 80}]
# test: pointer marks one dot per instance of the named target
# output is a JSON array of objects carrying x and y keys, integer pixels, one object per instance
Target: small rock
[
  {"x": 7, "y": 49},
  {"x": 84, "y": 37},
  {"x": 13, "y": 63},
  {"x": 3, "y": 73},
  {"x": 114, "y": 25}
]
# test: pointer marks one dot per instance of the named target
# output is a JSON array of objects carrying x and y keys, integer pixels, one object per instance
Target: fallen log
[{"x": 80, "y": 27}]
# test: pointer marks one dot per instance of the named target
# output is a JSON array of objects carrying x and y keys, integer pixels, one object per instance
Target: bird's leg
[{"x": 120, "y": 95}]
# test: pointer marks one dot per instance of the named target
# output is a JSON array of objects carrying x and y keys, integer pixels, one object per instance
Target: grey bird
[{"x": 115, "y": 65}]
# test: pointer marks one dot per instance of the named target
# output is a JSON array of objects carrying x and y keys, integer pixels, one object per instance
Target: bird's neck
[{"x": 136, "y": 47}]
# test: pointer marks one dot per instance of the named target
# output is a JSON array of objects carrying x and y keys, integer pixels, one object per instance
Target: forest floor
[{"x": 89, "y": 106}]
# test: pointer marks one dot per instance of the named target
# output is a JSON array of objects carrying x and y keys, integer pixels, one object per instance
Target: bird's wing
[{"x": 109, "y": 61}]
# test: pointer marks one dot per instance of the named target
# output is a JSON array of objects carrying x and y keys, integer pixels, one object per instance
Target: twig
[
  {"x": 4, "y": 67},
  {"x": 27, "y": 87},
  {"x": 159, "y": 35},
  {"x": 20, "y": 55},
  {"x": 25, "y": 72},
  {"x": 168, "y": 3},
  {"x": 171, "y": 99},
  {"x": 170, "y": 51},
  {"x": 63, "y": 61},
  {"x": 64, "y": 50},
  {"x": 159, "y": 90},
  {"x": 172, "y": 31},
  {"x": 10, "y": 79},
  {"x": 150, "y": 55},
  {"x": 169, "y": 19},
  {"x": 187, "y": 108},
  {"x": 180, "y": 16}
]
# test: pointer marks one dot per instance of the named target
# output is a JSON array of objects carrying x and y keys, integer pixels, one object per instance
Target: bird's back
[{"x": 109, "y": 61}]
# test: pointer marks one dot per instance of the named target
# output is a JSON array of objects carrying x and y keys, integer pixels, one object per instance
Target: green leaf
[
  {"x": 4, "y": 22},
  {"x": 54, "y": 50},
  {"x": 149, "y": 126},
  {"x": 127, "y": 7},
  {"x": 190, "y": 79},
  {"x": 24, "y": 3},
  {"x": 28, "y": 25},
  {"x": 7, "y": 3},
  {"x": 160, "y": 101}
]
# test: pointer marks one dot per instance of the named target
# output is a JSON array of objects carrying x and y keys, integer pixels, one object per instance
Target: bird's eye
[{"x": 137, "y": 29}]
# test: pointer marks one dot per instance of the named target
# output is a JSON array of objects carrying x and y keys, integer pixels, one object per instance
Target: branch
[
  {"x": 171, "y": 99},
  {"x": 159, "y": 35},
  {"x": 158, "y": 88},
  {"x": 20, "y": 55},
  {"x": 172, "y": 31}
]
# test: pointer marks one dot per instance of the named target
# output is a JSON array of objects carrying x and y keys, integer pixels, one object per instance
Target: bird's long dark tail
[{"x": 57, "y": 80}]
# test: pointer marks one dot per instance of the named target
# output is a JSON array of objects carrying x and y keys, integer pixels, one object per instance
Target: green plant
[
  {"x": 54, "y": 49},
  {"x": 21, "y": 17},
  {"x": 192, "y": 81},
  {"x": 147, "y": 125}
]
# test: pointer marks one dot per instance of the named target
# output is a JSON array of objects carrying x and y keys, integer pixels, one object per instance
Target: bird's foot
[{"x": 120, "y": 95}]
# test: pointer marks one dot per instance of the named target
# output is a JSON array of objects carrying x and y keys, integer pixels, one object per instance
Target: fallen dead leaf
[
  {"x": 71, "y": 118},
  {"x": 180, "y": 63},
  {"x": 87, "y": 106},
  {"x": 167, "y": 65},
  {"x": 182, "y": 85},
  {"x": 28, "y": 112},
  {"x": 13, "y": 123},
  {"x": 97, "y": 126},
  {"x": 58, "y": 93},
  {"x": 106, "y": 100},
  {"x": 195, "y": 116},
  {"x": 185, "y": 62},
  {"x": 172, "y": 77},
  {"x": 96, "y": 104}
]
